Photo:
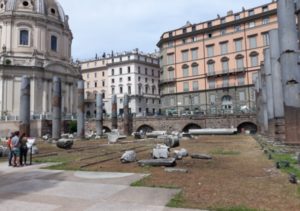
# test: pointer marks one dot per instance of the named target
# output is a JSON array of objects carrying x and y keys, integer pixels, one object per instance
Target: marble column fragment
[
  {"x": 126, "y": 116},
  {"x": 80, "y": 109},
  {"x": 114, "y": 112},
  {"x": 99, "y": 115},
  {"x": 269, "y": 90},
  {"x": 56, "y": 108},
  {"x": 264, "y": 101},
  {"x": 277, "y": 87},
  {"x": 25, "y": 106},
  {"x": 288, "y": 40}
]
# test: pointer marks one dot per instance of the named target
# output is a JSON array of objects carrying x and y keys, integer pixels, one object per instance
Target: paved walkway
[{"x": 31, "y": 188}]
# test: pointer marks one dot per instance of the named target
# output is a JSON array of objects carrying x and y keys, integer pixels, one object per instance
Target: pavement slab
[{"x": 32, "y": 188}]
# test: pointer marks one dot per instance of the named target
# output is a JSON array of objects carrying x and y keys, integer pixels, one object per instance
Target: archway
[
  {"x": 145, "y": 128},
  {"x": 190, "y": 126},
  {"x": 106, "y": 129},
  {"x": 247, "y": 126}
]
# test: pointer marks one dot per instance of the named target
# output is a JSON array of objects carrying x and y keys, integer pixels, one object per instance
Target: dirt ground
[{"x": 239, "y": 174}]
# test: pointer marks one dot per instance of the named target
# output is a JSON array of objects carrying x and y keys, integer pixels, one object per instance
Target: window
[
  {"x": 146, "y": 80},
  {"x": 121, "y": 71},
  {"x": 139, "y": 78},
  {"x": 53, "y": 43},
  {"x": 170, "y": 34},
  {"x": 265, "y": 8},
  {"x": 185, "y": 71},
  {"x": 121, "y": 90},
  {"x": 195, "y": 70},
  {"x": 209, "y": 35},
  {"x": 194, "y": 39},
  {"x": 223, "y": 20},
  {"x": 250, "y": 12},
  {"x": 266, "y": 20},
  {"x": 113, "y": 90},
  {"x": 103, "y": 73},
  {"x": 237, "y": 17},
  {"x": 237, "y": 28},
  {"x": 211, "y": 68},
  {"x": 241, "y": 80},
  {"x": 225, "y": 66},
  {"x": 223, "y": 31},
  {"x": 194, "y": 54},
  {"x": 240, "y": 63},
  {"x": 242, "y": 96},
  {"x": 120, "y": 80},
  {"x": 170, "y": 44},
  {"x": 184, "y": 30},
  {"x": 112, "y": 81},
  {"x": 254, "y": 59},
  {"x": 251, "y": 24},
  {"x": 139, "y": 70},
  {"x": 252, "y": 42},
  {"x": 88, "y": 85},
  {"x": 224, "y": 48},
  {"x": 129, "y": 89},
  {"x": 128, "y": 69},
  {"x": 195, "y": 86},
  {"x": 238, "y": 45},
  {"x": 96, "y": 84},
  {"x": 212, "y": 99},
  {"x": 183, "y": 41},
  {"x": 209, "y": 24},
  {"x": 193, "y": 28},
  {"x": 129, "y": 78},
  {"x": 170, "y": 59},
  {"x": 88, "y": 75},
  {"x": 24, "y": 37},
  {"x": 211, "y": 84},
  {"x": 225, "y": 81},
  {"x": 152, "y": 72},
  {"x": 186, "y": 87},
  {"x": 185, "y": 56},
  {"x": 103, "y": 83},
  {"x": 210, "y": 51},
  {"x": 266, "y": 39},
  {"x": 112, "y": 72}
]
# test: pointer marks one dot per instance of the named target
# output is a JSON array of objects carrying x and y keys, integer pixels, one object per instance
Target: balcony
[
  {"x": 226, "y": 72},
  {"x": 167, "y": 81}
]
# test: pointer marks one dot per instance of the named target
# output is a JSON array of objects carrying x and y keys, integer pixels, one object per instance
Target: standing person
[
  {"x": 9, "y": 146},
  {"x": 23, "y": 149},
  {"x": 15, "y": 142}
]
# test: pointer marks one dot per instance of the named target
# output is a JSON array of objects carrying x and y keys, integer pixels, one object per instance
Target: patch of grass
[
  {"x": 298, "y": 191},
  {"x": 220, "y": 151},
  {"x": 177, "y": 201},
  {"x": 238, "y": 208},
  {"x": 284, "y": 157},
  {"x": 292, "y": 170},
  {"x": 143, "y": 183}
]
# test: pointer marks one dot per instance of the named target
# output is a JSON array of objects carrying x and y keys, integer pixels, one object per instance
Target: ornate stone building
[{"x": 35, "y": 40}]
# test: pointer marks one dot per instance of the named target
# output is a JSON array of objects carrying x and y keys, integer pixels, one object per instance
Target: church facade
[{"x": 35, "y": 40}]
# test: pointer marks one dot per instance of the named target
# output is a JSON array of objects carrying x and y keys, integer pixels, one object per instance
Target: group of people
[{"x": 17, "y": 149}]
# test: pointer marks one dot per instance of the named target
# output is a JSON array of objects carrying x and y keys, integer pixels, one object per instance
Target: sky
[{"x": 122, "y": 25}]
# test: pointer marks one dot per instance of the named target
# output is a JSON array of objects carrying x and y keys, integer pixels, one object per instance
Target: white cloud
[{"x": 119, "y": 25}]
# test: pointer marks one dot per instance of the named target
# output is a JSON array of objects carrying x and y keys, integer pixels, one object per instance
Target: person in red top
[{"x": 9, "y": 146}]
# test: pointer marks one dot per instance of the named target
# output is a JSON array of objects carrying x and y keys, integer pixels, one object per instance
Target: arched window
[
  {"x": 185, "y": 70},
  {"x": 53, "y": 43},
  {"x": 225, "y": 64},
  {"x": 211, "y": 66},
  {"x": 254, "y": 59},
  {"x": 24, "y": 37},
  {"x": 239, "y": 62},
  {"x": 195, "y": 70},
  {"x": 227, "y": 104}
]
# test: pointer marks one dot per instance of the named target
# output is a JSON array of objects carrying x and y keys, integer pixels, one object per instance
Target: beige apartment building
[
  {"x": 210, "y": 67},
  {"x": 133, "y": 73}
]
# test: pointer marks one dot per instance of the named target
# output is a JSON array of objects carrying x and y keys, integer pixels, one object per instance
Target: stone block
[
  {"x": 201, "y": 156},
  {"x": 128, "y": 157},
  {"x": 176, "y": 170},
  {"x": 65, "y": 143},
  {"x": 158, "y": 162}
]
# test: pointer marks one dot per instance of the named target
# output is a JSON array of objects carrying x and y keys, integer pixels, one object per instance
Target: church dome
[{"x": 50, "y": 8}]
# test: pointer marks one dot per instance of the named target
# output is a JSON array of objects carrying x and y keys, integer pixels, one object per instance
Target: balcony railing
[
  {"x": 226, "y": 72},
  {"x": 168, "y": 80}
]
